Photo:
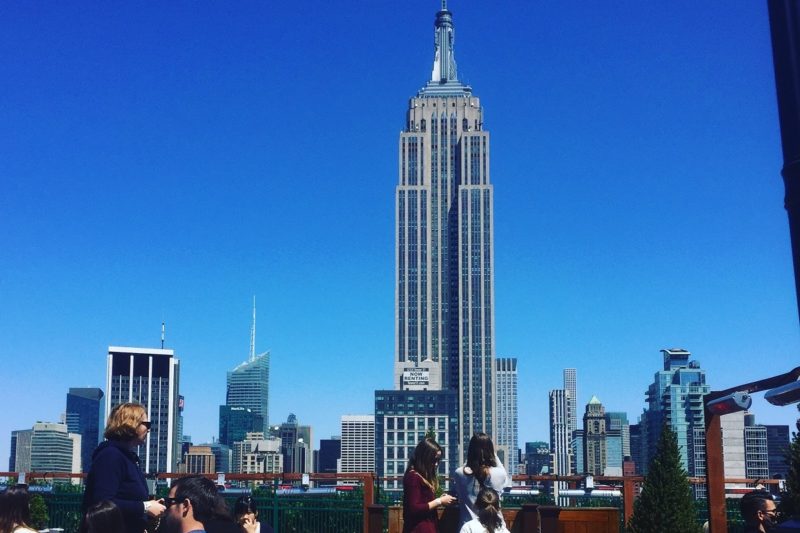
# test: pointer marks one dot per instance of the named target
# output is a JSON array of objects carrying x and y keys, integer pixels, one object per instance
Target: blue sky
[{"x": 170, "y": 161}]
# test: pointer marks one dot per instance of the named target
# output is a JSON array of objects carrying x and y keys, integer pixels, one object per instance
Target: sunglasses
[
  {"x": 148, "y": 425},
  {"x": 169, "y": 502}
]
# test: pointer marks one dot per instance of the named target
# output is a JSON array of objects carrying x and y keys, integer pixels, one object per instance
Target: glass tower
[
  {"x": 248, "y": 386},
  {"x": 444, "y": 326},
  {"x": 676, "y": 397},
  {"x": 85, "y": 417}
]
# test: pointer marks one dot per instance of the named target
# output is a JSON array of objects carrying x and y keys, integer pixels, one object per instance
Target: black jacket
[{"x": 115, "y": 476}]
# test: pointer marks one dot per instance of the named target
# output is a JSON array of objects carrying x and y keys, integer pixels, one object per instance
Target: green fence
[
  {"x": 295, "y": 513},
  {"x": 290, "y": 513},
  {"x": 336, "y": 512}
]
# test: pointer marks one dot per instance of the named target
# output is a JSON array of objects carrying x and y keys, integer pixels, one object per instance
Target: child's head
[
  {"x": 487, "y": 503},
  {"x": 104, "y": 517}
]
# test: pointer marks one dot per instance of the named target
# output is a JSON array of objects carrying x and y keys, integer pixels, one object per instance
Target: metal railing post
[{"x": 275, "y": 520}]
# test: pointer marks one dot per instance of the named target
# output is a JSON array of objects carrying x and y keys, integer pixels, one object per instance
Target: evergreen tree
[
  {"x": 38, "y": 509},
  {"x": 790, "y": 500},
  {"x": 665, "y": 504}
]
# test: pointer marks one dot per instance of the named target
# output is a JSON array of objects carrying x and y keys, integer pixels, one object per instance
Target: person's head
[
  {"x": 480, "y": 455},
  {"x": 128, "y": 422},
  {"x": 245, "y": 507},
  {"x": 487, "y": 504},
  {"x": 758, "y": 509},
  {"x": 425, "y": 460},
  {"x": 14, "y": 508},
  {"x": 104, "y": 517},
  {"x": 192, "y": 500}
]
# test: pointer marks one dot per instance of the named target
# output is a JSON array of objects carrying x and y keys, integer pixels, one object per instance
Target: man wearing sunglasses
[
  {"x": 195, "y": 506},
  {"x": 759, "y": 512}
]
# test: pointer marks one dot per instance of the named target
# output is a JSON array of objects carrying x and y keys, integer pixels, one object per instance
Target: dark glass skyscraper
[
  {"x": 778, "y": 448},
  {"x": 444, "y": 256},
  {"x": 236, "y": 422},
  {"x": 248, "y": 386},
  {"x": 85, "y": 417}
]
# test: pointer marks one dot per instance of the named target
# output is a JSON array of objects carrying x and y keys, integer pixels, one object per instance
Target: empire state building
[{"x": 444, "y": 299}]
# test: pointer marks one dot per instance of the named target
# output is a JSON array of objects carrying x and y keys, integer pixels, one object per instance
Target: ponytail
[{"x": 487, "y": 504}]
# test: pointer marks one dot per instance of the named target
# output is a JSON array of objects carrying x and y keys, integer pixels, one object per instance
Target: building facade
[
  {"x": 148, "y": 376},
  {"x": 236, "y": 422},
  {"x": 330, "y": 453},
  {"x": 257, "y": 454},
  {"x": 571, "y": 385},
  {"x": 199, "y": 460},
  {"x": 560, "y": 442},
  {"x": 296, "y": 446},
  {"x": 675, "y": 397},
  {"x": 617, "y": 442},
  {"x": 402, "y": 419},
  {"x": 537, "y": 458},
  {"x": 594, "y": 428},
  {"x": 778, "y": 448},
  {"x": 84, "y": 416},
  {"x": 444, "y": 328},
  {"x": 54, "y": 449},
  {"x": 20, "y": 456},
  {"x": 506, "y": 434},
  {"x": 248, "y": 387},
  {"x": 756, "y": 449},
  {"x": 357, "y": 444}
]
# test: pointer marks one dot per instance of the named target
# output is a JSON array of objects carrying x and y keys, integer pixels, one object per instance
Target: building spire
[
  {"x": 444, "y": 61},
  {"x": 253, "y": 333}
]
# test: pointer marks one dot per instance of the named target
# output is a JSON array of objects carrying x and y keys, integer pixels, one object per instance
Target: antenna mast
[
  {"x": 163, "y": 332},
  {"x": 253, "y": 333}
]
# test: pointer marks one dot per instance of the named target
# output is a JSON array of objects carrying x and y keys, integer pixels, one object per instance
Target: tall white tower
[{"x": 444, "y": 313}]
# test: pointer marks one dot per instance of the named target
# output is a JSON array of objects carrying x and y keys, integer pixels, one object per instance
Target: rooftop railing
[{"x": 355, "y": 503}]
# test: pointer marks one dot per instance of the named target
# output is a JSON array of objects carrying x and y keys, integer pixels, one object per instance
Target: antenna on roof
[
  {"x": 163, "y": 333},
  {"x": 253, "y": 333}
]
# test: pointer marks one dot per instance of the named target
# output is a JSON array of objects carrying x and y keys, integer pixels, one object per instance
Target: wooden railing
[{"x": 531, "y": 518}]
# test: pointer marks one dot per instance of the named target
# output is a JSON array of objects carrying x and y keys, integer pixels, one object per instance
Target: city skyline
[{"x": 168, "y": 172}]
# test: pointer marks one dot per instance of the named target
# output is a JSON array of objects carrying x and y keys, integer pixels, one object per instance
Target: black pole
[{"x": 784, "y": 21}]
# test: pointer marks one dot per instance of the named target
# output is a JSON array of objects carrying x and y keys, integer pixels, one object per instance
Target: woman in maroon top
[{"x": 419, "y": 489}]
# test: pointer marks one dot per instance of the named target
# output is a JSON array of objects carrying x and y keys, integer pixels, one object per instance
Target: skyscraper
[
  {"x": 20, "y": 456},
  {"x": 507, "y": 430},
  {"x": 778, "y": 448},
  {"x": 560, "y": 448},
  {"x": 248, "y": 383},
  {"x": 571, "y": 385},
  {"x": 537, "y": 458},
  {"x": 295, "y": 445},
  {"x": 756, "y": 450},
  {"x": 444, "y": 256},
  {"x": 618, "y": 444},
  {"x": 54, "y": 448},
  {"x": 575, "y": 443},
  {"x": 85, "y": 417},
  {"x": 594, "y": 427},
  {"x": 357, "y": 444},
  {"x": 402, "y": 418},
  {"x": 149, "y": 376},
  {"x": 675, "y": 397},
  {"x": 330, "y": 453}
]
